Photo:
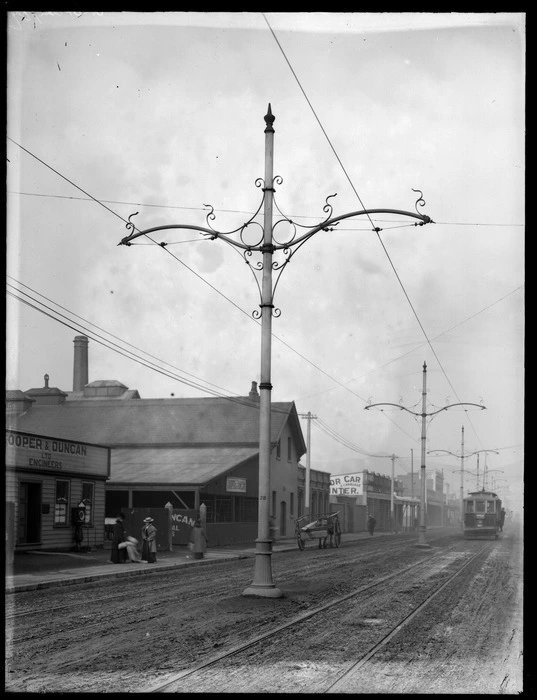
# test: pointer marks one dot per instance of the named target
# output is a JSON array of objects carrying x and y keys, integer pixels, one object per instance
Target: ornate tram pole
[
  {"x": 424, "y": 415},
  {"x": 266, "y": 246},
  {"x": 462, "y": 458}
]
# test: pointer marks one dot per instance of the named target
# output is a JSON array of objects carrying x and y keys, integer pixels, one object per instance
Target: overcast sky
[{"x": 163, "y": 113}]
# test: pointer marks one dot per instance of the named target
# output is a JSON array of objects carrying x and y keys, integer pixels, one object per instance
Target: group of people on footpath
[{"x": 124, "y": 547}]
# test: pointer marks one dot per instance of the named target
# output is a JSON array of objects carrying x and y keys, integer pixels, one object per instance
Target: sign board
[
  {"x": 37, "y": 452},
  {"x": 182, "y": 523},
  {"x": 347, "y": 484},
  {"x": 235, "y": 485}
]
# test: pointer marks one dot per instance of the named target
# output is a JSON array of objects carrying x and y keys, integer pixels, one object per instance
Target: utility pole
[
  {"x": 263, "y": 264},
  {"x": 309, "y": 417},
  {"x": 424, "y": 415},
  {"x": 392, "y": 507},
  {"x": 462, "y": 456}
]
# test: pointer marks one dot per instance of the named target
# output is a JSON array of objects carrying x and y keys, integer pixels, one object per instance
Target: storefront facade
[{"x": 51, "y": 484}]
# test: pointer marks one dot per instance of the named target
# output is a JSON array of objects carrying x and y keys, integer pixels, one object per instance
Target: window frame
[
  {"x": 62, "y": 520},
  {"x": 89, "y": 510}
]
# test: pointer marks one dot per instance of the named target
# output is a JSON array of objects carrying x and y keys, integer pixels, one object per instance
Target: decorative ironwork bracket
[{"x": 292, "y": 242}]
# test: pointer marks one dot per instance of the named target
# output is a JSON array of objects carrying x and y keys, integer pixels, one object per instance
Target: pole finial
[{"x": 269, "y": 119}]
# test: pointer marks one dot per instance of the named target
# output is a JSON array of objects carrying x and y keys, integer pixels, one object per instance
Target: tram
[{"x": 482, "y": 515}]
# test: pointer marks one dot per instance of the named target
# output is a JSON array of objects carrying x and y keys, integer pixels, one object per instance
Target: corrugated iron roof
[
  {"x": 166, "y": 422},
  {"x": 187, "y": 465}
]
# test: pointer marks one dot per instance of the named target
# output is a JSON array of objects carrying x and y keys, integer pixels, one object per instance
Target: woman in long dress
[
  {"x": 118, "y": 556},
  {"x": 149, "y": 541},
  {"x": 198, "y": 538}
]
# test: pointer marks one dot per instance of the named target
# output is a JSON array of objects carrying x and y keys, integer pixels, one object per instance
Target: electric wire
[
  {"x": 200, "y": 277},
  {"x": 361, "y": 203}
]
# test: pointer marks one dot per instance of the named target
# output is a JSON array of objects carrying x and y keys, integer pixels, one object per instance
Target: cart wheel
[{"x": 300, "y": 542}]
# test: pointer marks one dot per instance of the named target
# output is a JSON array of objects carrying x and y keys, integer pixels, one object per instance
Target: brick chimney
[
  {"x": 80, "y": 367},
  {"x": 253, "y": 395}
]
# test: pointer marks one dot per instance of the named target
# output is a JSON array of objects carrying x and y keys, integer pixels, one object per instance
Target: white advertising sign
[{"x": 347, "y": 484}]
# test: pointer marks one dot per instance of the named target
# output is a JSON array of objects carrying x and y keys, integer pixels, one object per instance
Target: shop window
[
  {"x": 300, "y": 503},
  {"x": 245, "y": 509},
  {"x": 88, "y": 492},
  {"x": 61, "y": 506}
]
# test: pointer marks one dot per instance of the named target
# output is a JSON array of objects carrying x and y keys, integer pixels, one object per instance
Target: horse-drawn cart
[{"x": 324, "y": 528}]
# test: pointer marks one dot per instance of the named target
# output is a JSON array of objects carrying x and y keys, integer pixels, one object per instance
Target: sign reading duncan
[
  {"x": 347, "y": 485},
  {"x": 39, "y": 452}
]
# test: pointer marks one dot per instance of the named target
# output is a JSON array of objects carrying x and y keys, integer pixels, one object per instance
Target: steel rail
[
  {"x": 165, "y": 687},
  {"x": 356, "y": 665}
]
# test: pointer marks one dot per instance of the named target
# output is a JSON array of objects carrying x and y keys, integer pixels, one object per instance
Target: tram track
[
  {"x": 318, "y": 557},
  {"x": 130, "y": 619},
  {"x": 195, "y": 677}
]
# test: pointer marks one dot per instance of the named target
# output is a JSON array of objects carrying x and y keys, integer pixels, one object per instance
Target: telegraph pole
[
  {"x": 309, "y": 417},
  {"x": 263, "y": 264},
  {"x": 392, "y": 508},
  {"x": 462, "y": 457},
  {"x": 424, "y": 415}
]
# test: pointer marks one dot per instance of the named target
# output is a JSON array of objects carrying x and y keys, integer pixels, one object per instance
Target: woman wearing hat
[{"x": 149, "y": 541}]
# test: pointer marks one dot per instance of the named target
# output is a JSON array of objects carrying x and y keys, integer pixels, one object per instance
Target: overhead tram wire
[
  {"x": 409, "y": 352},
  {"x": 68, "y": 322},
  {"x": 114, "y": 346},
  {"x": 72, "y": 313},
  {"x": 192, "y": 271},
  {"x": 142, "y": 361},
  {"x": 320, "y": 424},
  {"x": 240, "y": 211},
  {"x": 361, "y": 203}
]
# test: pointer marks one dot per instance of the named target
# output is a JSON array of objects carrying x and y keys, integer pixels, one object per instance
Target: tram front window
[
  {"x": 480, "y": 506},
  {"x": 491, "y": 507},
  {"x": 469, "y": 506}
]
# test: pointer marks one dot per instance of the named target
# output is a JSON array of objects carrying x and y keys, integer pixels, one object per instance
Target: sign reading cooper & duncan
[
  {"x": 236, "y": 485},
  {"x": 40, "y": 452}
]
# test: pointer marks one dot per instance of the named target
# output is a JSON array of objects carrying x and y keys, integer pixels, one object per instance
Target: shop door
[
  {"x": 283, "y": 518},
  {"x": 29, "y": 513}
]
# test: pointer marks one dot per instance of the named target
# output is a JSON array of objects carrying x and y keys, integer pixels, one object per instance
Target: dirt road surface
[{"x": 135, "y": 634}]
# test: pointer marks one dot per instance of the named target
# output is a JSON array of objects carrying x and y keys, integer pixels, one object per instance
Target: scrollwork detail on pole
[
  {"x": 130, "y": 226},
  {"x": 420, "y": 202}
]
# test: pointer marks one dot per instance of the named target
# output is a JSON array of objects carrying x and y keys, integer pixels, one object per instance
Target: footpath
[{"x": 35, "y": 570}]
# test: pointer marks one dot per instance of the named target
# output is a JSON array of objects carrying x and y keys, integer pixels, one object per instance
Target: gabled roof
[
  {"x": 194, "y": 466},
  {"x": 171, "y": 422}
]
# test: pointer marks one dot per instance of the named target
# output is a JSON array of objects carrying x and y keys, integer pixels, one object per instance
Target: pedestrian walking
[
  {"x": 371, "y": 522},
  {"x": 118, "y": 556},
  {"x": 149, "y": 541},
  {"x": 502, "y": 519},
  {"x": 199, "y": 540}
]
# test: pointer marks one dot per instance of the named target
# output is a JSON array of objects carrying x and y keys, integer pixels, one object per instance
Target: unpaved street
[{"x": 131, "y": 635}]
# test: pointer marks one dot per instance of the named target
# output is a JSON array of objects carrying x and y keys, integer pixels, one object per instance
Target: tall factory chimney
[{"x": 80, "y": 367}]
